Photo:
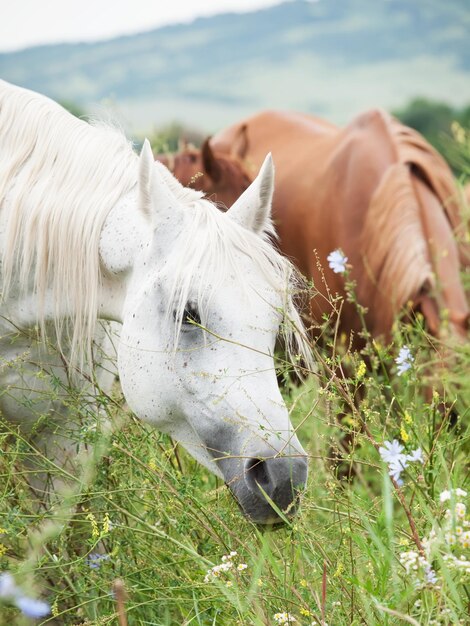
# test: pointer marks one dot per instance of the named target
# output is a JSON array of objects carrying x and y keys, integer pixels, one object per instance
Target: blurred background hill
[{"x": 332, "y": 58}]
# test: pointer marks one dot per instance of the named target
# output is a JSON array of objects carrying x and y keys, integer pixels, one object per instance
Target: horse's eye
[
  {"x": 192, "y": 158},
  {"x": 191, "y": 314}
]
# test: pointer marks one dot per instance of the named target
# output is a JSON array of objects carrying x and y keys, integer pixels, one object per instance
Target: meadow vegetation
[{"x": 142, "y": 535}]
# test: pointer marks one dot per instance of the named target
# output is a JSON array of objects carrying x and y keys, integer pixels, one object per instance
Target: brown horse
[{"x": 374, "y": 189}]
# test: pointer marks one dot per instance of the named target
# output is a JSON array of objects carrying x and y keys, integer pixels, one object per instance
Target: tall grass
[{"x": 134, "y": 536}]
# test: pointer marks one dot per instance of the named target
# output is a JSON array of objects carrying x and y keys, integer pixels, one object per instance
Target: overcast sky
[{"x": 26, "y": 23}]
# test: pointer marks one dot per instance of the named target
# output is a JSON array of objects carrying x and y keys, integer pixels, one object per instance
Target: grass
[{"x": 160, "y": 523}]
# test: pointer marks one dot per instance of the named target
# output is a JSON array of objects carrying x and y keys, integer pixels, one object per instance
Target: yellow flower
[
  {"x": 55, "y": 608},
  {"x": 361, "y": 370},
  {"x": 106, "y": 523},
  {"x": 339, "y": 570},
  {"x": 407, "y": 418},
  {"x": 404, "y": 435},
  {"x": 152, "y": 465},
  {"x": 94, "y": 525},
  {"x": 3, "y": 549},
  {"x": 305, "y": 612},
  {"x": 303, "y": 583}
]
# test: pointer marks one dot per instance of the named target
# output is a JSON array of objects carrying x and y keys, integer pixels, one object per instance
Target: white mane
[
  {"x": 205, "y": 256},
  {"x": 62, "y": 176}
]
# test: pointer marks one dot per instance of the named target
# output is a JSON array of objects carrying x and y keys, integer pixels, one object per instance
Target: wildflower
[
  {"x": 32, "y": 608},
  {"x": 8, "y": 586},
  {"x": 94, "y": 560},
  {"x": 447, "y": 494},
  {"x": 404, "y": 360},
  {"x": 95, "y": 532},
  {"x": 284, "y": 618},
  {"x": 430, "y": 574},
  {"x": 10, "y": 592},
  {"x": 419, "y": 568},
  {"x": 416, "y": 456},
  {"x": 107, "y": 524},
  {"x": 339, "y": 570},
  {"x": 460, "y": 510},
  {"x": 225, "y": 566},
  {"x": 305, "y": 612},
  {"x": 337, "y": 261},
  {"x": 395, "y": 472},
  {"x": 391, "y": 452},
  {"x": 361, "y": 370},
  {"x": 404, "y": 435},
  {"x": 407, "y": 418}
]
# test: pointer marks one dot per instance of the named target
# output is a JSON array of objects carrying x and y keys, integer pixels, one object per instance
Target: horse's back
[{"x": 332, "y": 191}]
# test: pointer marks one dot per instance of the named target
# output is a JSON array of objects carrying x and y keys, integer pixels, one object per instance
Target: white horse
[{"x": 91, "y": 231}]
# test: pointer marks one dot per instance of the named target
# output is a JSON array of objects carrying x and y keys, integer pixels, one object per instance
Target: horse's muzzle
[{"x": 265, "y": 485}]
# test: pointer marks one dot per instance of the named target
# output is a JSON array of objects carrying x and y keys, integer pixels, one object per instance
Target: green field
[{"x": 364, "y": 551}]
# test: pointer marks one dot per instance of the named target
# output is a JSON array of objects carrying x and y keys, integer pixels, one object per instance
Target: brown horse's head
[{"x": 222, "y": 177}]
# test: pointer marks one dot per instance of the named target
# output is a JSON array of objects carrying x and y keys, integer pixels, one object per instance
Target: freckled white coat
[{"x": 89, "y": 231}]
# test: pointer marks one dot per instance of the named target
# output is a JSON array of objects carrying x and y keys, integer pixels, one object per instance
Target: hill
[{"x": 331, "y": 57}]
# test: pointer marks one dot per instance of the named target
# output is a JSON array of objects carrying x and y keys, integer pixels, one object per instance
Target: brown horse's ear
[
  {"x": 209, "y": 161},
  {"x": 241, "y": 143}
]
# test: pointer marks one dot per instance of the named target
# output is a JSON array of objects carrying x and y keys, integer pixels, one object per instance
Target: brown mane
[
  {"x": 430, "y": 165},
  {"x": 374, "y": 189}
]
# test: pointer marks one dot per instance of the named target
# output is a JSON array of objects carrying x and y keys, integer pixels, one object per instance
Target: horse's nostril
[
  {"x": 265, "y": 485},
  {"x": 257, "y": 474}
]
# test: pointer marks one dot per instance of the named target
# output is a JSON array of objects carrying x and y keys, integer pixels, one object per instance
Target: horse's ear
[
  {"x": 209, "y": 161},
  {"x": 154, "y": 191},
  {"x": 253, "y": 208},
  {"x": 240, "y": 143}
]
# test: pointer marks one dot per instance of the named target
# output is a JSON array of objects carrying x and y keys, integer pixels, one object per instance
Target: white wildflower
[
  {"x": 337, "y": 261},
  {"x": 8, "y": 587},
  {"x": 404, "y": 360},
  {"x": 445, "y": 495},
  {"x": 415, "y": 456},
  {"x": 448, "y": 493},
  {"x": 284, "y": 618},
  {"x": 391, "y": 452}
]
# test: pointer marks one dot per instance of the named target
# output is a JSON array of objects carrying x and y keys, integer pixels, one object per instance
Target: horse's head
[
  {"x": 207, "y": 297},
  {"x": 220, "y": 176}
]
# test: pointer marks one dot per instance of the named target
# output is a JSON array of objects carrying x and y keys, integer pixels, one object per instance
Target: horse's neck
[{"x": 124, "y": 234}]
